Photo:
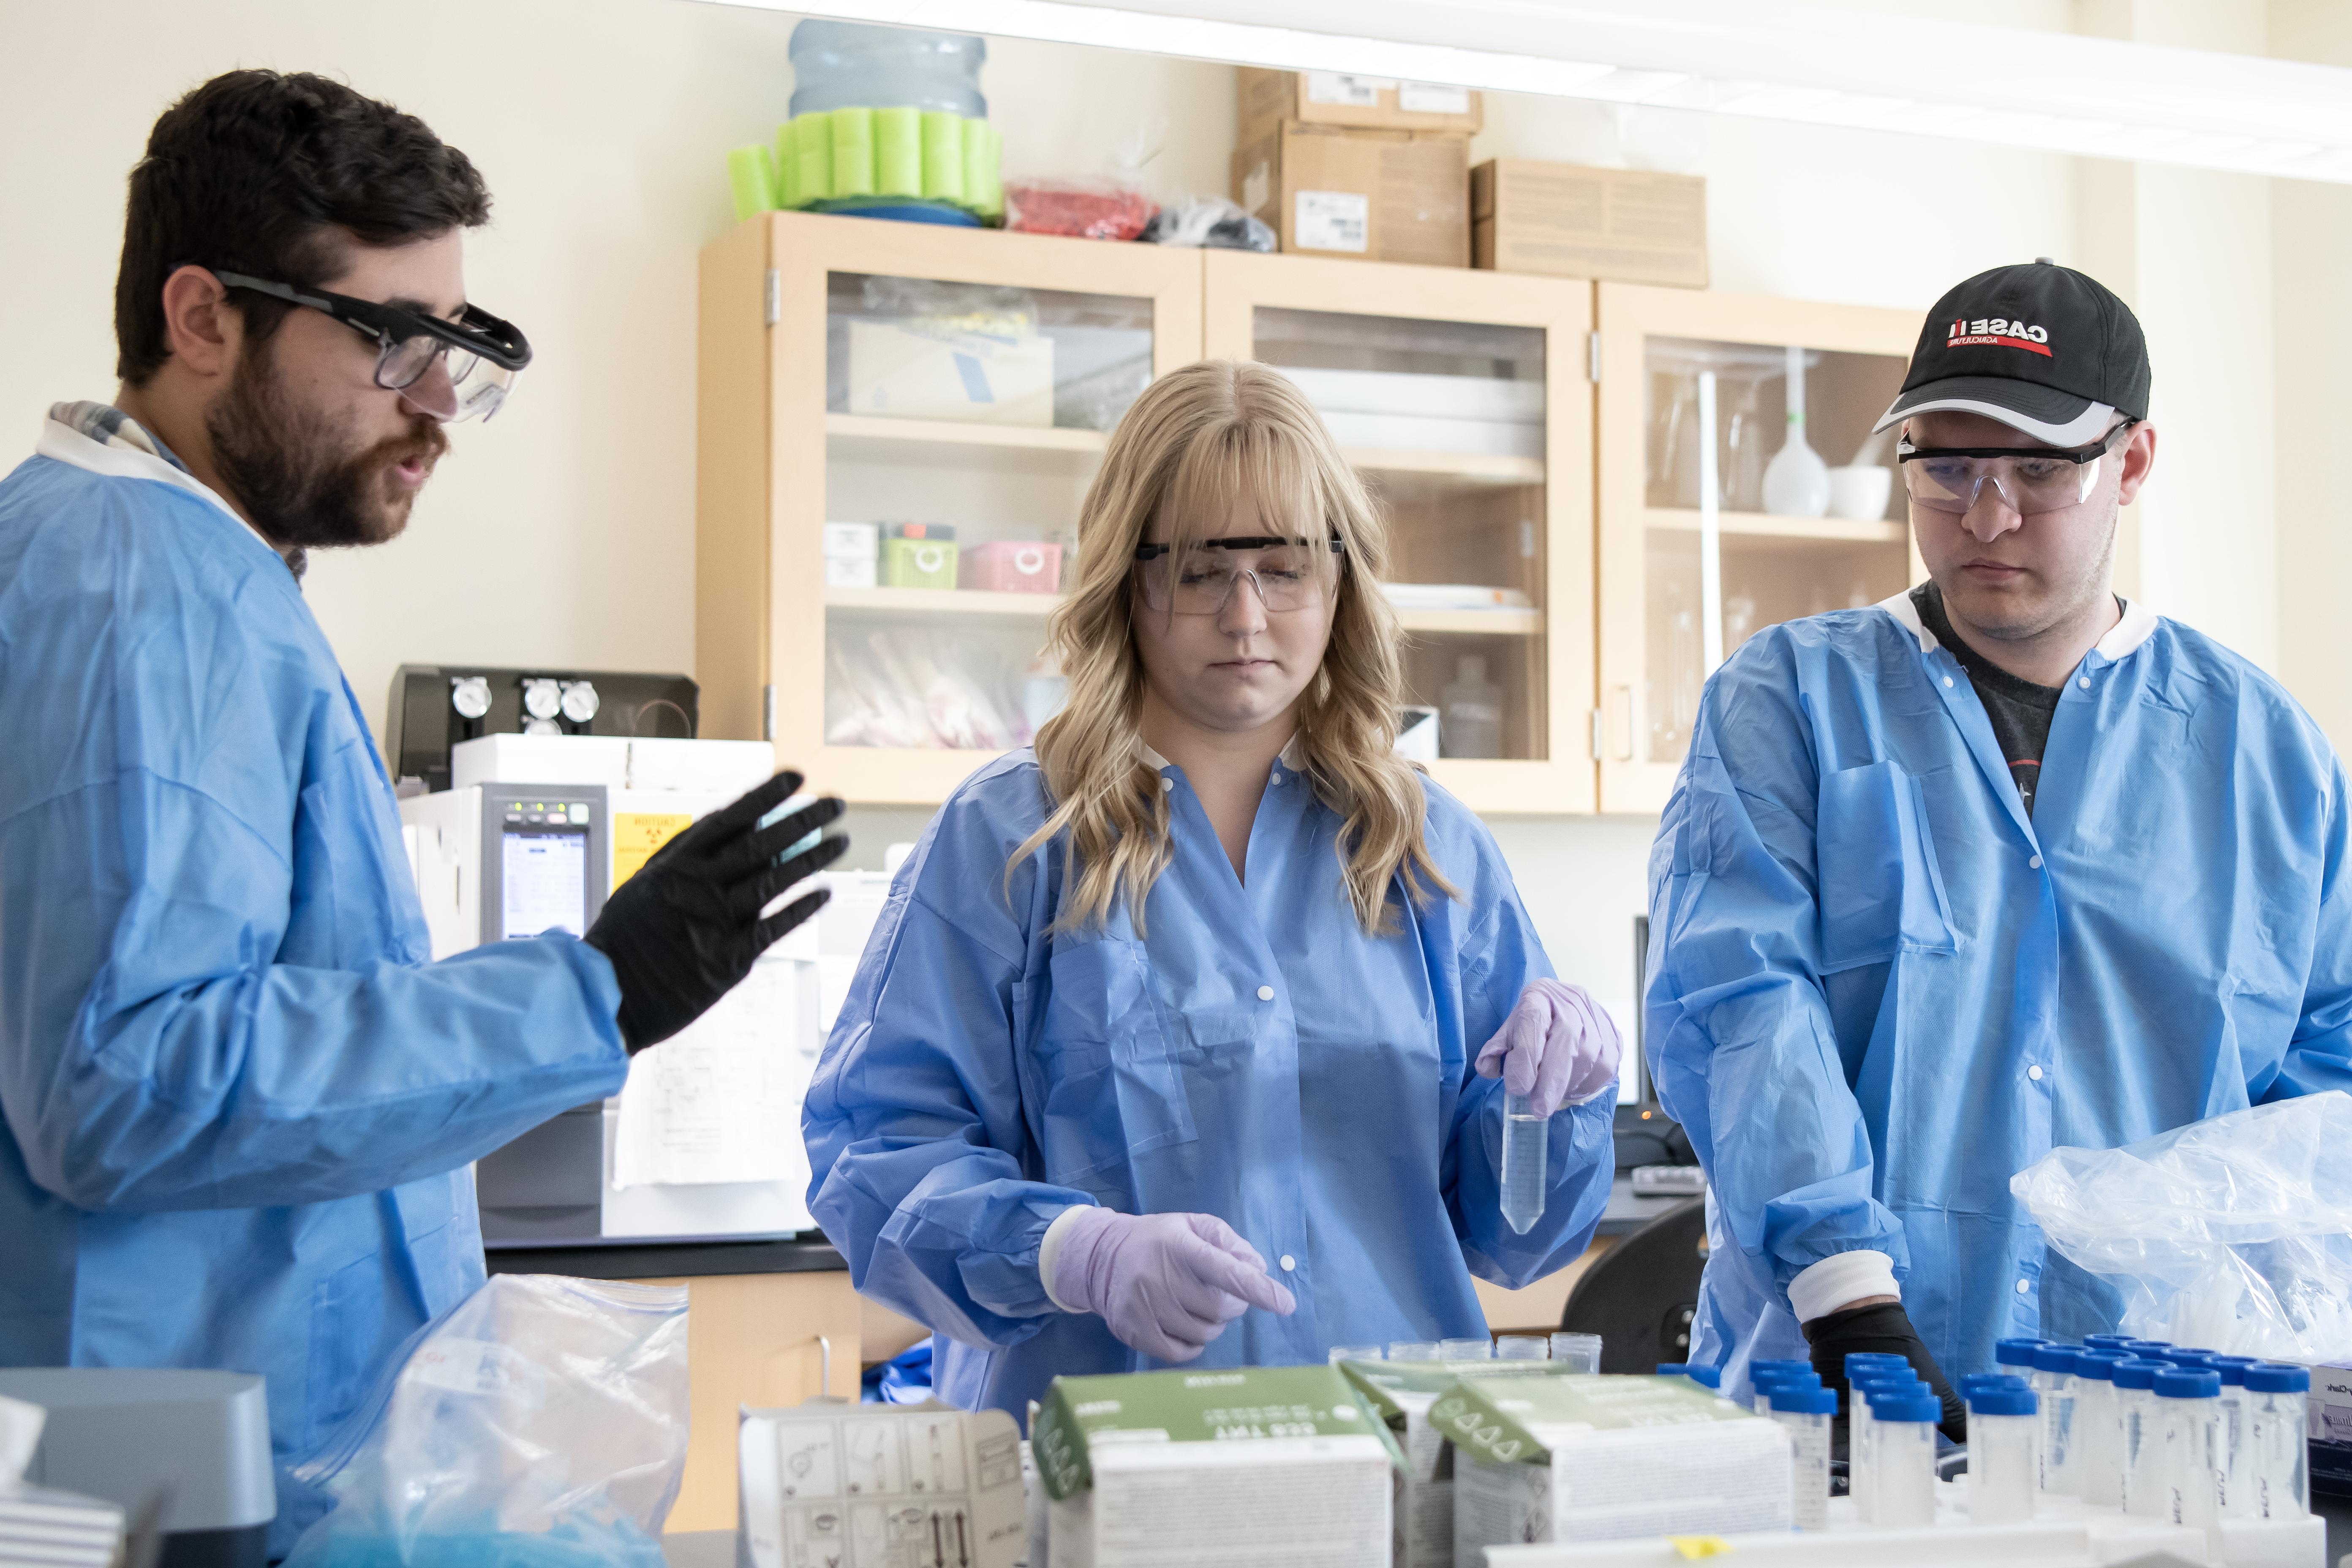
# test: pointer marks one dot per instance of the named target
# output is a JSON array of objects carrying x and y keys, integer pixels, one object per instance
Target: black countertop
[{"x": 808, "y": 1252}]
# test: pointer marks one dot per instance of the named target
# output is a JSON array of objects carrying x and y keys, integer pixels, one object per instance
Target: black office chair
[{"x": 1641, "y": 1294}]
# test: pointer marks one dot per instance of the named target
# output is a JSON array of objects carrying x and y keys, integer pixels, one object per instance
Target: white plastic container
[
  {"x": 2004, "y": 1433},
  {"x": 2053, "y": 1382},
  {"x": 1902, "y": 1465},
  {"x": 1806, "y": 1414},
  {"x": 1581, "y": 1350},
  {"x": 2278, "y": 1456},
  {"x": 1481, "y": 1349},
  {"x": 2188, "y": 1405}
]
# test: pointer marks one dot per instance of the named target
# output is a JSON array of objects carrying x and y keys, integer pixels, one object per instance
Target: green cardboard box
[
  {"x": 1282, "y": 1467},
  {"x": 1402, "y": 1391},
  {"x": 1606, "y": 1458},
  {"x": 919, "y": 563}
]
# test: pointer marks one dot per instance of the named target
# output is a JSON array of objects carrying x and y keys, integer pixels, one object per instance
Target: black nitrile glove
[
  {"x": 685, "y": 929},
  {"x": 1885, "y": 1328}
]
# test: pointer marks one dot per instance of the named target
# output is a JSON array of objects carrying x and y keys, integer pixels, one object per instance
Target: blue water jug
[{"x": 849, "y": 65}]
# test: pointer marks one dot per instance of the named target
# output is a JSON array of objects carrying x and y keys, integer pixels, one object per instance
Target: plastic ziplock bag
[
  {"x": 2234, "y": 1234},
  {"x": 1215, "y": 222},
  {"x": 541, "y": 1423}
]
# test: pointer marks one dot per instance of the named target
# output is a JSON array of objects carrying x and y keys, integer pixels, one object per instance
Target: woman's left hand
[{"x": 1558, "y": 1047}]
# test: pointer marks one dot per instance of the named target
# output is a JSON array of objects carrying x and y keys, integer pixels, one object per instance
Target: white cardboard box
[{"x": 912, "y": 370}]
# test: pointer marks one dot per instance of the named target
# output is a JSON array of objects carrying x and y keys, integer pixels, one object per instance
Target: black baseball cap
[{"x": 2041, "y": 348}]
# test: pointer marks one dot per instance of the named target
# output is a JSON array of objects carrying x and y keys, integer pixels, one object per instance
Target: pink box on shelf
[{"x": 1012, "y": 566}]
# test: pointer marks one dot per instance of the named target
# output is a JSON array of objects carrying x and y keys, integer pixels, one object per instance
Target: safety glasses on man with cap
[
  {"x": 478, "y": 356},
  {"x": 2029, "y": 480}
]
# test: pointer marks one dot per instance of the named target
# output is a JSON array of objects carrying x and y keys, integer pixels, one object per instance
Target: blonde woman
[{"x": 1168, "y": 1045}]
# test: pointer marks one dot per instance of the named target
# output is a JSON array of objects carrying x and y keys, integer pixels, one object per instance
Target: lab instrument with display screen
[{"x": 702, "y": 1143}]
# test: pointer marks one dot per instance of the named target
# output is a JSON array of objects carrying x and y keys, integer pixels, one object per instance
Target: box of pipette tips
[
  {"x": 1243, "y": 1466},
  {"x": 1600, "y": 1457}
]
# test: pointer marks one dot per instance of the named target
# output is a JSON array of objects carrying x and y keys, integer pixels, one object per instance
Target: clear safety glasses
[
  {"x": 2028, "y": 481},
  {"x": 452, "y": 369},
  {"x": 1286, "y": 573}
]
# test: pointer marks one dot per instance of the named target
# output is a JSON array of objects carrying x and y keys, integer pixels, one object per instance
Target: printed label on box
[
  {"x": 1333, "y": 220},
  {"x": 1355, "y": 92},
  {"x": 1427, "y": 98}
]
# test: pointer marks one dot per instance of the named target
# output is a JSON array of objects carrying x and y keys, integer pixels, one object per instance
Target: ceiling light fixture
[{"x": 1795, "y": 62}]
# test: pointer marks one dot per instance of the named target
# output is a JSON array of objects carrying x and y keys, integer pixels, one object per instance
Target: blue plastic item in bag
[{"x": 541, "y": 1423}]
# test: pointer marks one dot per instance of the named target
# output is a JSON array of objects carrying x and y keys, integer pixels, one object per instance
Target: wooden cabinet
[
  {"x": 1656, "y": 347},
  {"x": 1549, "y": 567},
  {"x": 1463, "y": 398},
  {"x": 764, "y": 1340},
  {"x": 867, "y": 372}
]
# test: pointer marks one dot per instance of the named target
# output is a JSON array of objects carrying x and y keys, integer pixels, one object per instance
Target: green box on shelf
[{"x": 918, "y": 555}]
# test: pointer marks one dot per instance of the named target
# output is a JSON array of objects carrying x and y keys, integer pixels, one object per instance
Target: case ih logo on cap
[{"x": 1995, "y": 332}]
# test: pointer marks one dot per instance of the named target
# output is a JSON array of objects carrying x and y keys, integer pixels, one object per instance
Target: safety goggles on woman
[
  {"x": 480, "y": 355},
  {"x": 1287, "y": 573},
  {"x": 2029, "y": 480}
]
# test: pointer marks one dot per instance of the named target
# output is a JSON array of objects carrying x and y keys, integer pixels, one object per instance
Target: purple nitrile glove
[
  {"x": 1166, "y": 1284},
  {"x": 1558, "y": 1047}
]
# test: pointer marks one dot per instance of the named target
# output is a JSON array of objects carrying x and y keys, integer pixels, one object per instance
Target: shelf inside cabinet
[
  {"x": 1764, "y": 525},
  {"x": 941, "y": 601},
  {"x": 965, "y": 433},
  {"x": 1481, "y": 466},
  {"x": 1037, "y": 606}
]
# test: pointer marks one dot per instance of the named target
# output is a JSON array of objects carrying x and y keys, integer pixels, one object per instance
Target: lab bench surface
[{"x": 695, "y": 1259}]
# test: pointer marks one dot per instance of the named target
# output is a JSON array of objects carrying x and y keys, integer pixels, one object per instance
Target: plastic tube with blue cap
[
  {"x": 2098, "y": 1428},
  {"x": 1903, "y": 1467},
  {"x": 2235, "y": 1485},
  {"x": 2188, "y": 1404},
  {"x": 2280, "y": 1456},
  {"x": 1806, "y": 1414},
  {"x": 2142, "y": 1449},
  {"x": 2004, "y": 1430},
  {"x": 2053, "y": 1382}
]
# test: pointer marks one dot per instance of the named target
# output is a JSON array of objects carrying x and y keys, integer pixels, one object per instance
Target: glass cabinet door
[
  {"x": 1454, "y": 402},
  {"x": 1745, "y": 424},
  {"x": 965, "y": 407}
]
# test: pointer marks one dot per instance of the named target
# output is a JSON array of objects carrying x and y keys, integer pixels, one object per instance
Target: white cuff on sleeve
[
  {"x": 1049, "y": 1251},
  {"x": 1832, "y": 1282}
]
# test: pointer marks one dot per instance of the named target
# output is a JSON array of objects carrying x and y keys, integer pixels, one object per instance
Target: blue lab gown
[
  {"x": 1878, "y": 988},
  {"x": 239, "y": 1104},
  {"x": 986, "y": 1073}
]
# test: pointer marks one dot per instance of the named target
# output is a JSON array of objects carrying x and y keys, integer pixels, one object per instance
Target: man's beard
[{"x": 292, "y": 470}]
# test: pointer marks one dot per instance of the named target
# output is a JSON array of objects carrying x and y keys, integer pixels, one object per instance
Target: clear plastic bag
[
  {"x": 1211, "y": 221},
  {"x": 2234, "y": 1234},
  {"x": 539, "y": 1424}
]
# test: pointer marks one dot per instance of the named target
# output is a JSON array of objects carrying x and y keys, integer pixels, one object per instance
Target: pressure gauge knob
[
  {"x": 542, "y": 698},
  {"x": 470, "y": 696},
  {"x": 580, "y": 701}
]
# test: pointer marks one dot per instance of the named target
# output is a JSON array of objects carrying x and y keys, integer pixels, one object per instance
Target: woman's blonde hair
[{"x": 1195, "y": 441}]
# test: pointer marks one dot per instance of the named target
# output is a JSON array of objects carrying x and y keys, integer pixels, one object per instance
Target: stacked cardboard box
[
  {"x": 1356, "y": 166},
  {"x": 1629, "y": 225}
]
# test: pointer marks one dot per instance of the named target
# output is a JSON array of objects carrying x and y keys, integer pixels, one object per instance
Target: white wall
[{"x": 565, "y": 532}]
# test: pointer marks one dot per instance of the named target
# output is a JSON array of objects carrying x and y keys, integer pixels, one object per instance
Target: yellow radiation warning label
[{"x": 637, "y": 834}]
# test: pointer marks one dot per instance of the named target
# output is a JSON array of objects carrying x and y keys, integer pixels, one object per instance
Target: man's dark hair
[{"x": 263, "y": 173}]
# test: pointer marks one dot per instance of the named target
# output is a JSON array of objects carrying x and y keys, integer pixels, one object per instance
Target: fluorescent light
[{"x": 1790, "y": 61}]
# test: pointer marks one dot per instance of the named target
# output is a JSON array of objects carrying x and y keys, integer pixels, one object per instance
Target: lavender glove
[
  {"x": 1166, "y": 1284},
  {"x": 1558, "y": 1047}
]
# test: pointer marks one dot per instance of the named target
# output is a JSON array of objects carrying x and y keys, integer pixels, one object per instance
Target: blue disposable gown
[
  {"x": 1877, "y": 989},
  {"x": 239, "y": 1103},
  {"x": 986, "y": 1073}
]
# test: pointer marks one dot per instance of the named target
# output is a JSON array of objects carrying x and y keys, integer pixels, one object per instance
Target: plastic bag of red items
[{"x": 1088, "y": 210}]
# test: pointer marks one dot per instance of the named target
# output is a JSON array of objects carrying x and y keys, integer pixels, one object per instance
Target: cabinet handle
[{"x": 1622, "y": 702}]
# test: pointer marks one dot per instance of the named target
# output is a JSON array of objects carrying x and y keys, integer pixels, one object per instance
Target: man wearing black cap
[{"x": 2001, "y": 863}]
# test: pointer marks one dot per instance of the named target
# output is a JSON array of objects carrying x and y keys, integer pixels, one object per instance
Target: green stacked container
[{"x": 847, "y": 158}]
